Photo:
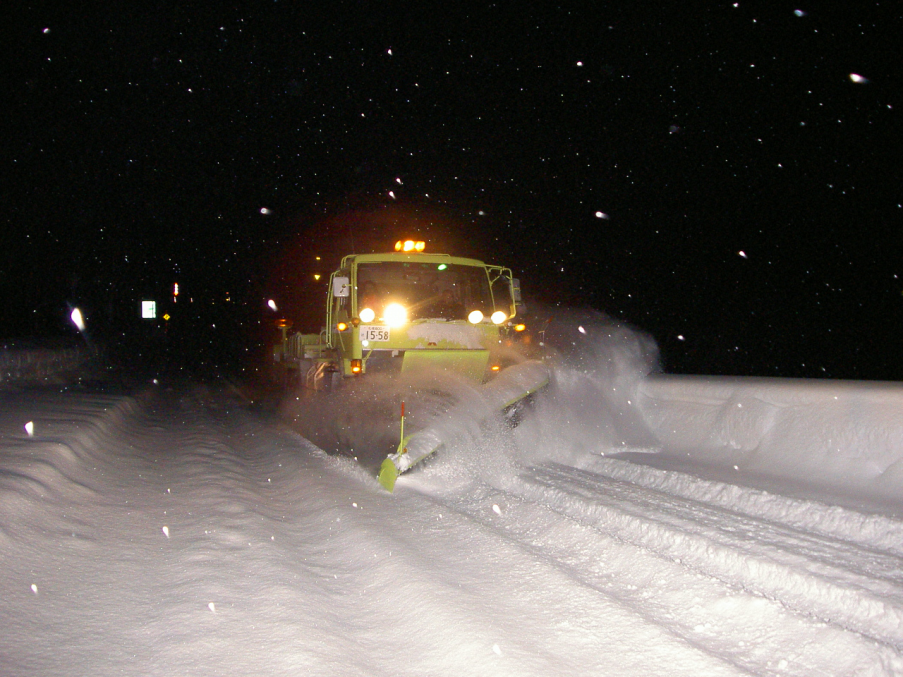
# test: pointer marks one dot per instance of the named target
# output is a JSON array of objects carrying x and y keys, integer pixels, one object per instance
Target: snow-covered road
[{"x": 182, "y": 532}]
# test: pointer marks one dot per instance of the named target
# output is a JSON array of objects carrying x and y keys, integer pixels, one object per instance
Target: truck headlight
[
  {"x": 475, "y": 317},
  {"x": 368, "y": 315},
  {"x": 498, "y": 317},
  {"x": 395, "y": 315}
]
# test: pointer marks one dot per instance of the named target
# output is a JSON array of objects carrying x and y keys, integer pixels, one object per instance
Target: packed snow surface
[{"x": 183, "y": 531}]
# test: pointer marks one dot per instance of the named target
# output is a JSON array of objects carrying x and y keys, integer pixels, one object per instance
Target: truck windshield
[{"x": 427, "y": 290}]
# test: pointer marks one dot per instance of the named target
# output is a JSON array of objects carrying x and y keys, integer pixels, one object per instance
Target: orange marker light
[{"x": 410, "y": 246}]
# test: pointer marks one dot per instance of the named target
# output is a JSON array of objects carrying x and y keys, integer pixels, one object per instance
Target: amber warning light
[{"x": 410, "y": 246}]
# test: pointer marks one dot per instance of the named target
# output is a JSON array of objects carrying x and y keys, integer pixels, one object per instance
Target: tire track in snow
[
  {"x": 646, "y": 550},
  {"x": 812, "y": 574}
]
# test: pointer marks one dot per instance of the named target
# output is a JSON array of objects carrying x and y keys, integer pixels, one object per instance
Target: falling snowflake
[
  {"x": 602, "y": 215},
  {"x": 77, "y": 319},
  {"x": 858, "y": 79}
]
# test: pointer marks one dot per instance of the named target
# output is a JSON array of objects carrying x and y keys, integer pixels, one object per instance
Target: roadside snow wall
[
  {"x": 34, "y": 364},
  {"x": 843, "y": 435}
]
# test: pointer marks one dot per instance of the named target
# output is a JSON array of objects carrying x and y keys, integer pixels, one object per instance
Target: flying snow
[{"x": 77, "y": 319}]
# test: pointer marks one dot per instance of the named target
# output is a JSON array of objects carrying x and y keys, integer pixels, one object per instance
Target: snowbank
[
  {"x": 841, "y": 435},
  {"x": 29, "y": 363}
]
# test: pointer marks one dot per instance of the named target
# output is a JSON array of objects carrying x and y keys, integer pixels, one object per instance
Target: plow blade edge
[{"x": 505, "y": 390}]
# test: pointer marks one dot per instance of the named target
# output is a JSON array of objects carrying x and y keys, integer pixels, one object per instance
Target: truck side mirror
[
  {"x": 519, "y": 304},
  {"x": 340, "y": 287}
]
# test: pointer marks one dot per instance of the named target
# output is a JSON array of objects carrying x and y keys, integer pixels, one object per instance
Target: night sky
[{"x": 724, "y": 176}]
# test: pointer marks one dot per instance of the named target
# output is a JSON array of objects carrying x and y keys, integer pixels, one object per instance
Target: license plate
[{"x": 371, "y": 333}]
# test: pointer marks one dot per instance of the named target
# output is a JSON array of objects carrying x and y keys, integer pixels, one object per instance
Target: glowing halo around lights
[
  {"x": 395, "y": 315},
  {"x": 475, "y": 317},
  {"x": 368, "y": 315},
  {"x": 498, "y": 317}
]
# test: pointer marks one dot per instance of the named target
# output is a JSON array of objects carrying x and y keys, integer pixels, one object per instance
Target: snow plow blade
[{"x": 505, "y": 390}]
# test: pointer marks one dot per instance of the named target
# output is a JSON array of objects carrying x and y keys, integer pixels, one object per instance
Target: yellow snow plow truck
[{"x": 412, "y": 310}]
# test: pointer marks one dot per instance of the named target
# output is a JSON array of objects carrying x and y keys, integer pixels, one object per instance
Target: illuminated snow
[{"x": 628, "y": 526}]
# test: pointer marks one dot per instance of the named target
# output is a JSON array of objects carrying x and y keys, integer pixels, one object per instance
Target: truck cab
[{"x": 407, "y": 310}]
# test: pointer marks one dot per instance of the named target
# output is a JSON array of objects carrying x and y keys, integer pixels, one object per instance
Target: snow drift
[
  {"x": 840, "y": 437},
  {"x": 844, "y": 436}
]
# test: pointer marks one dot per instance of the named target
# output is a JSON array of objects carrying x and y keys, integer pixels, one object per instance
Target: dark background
[{"x": 750, "y": 189}]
